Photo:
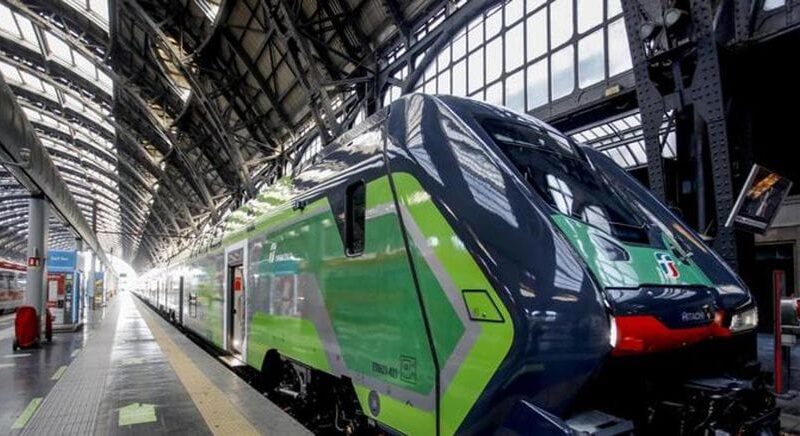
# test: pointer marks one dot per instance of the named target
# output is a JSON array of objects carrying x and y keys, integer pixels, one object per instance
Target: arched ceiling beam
[
  {"x": 217, "y": 127},
  {"x": 237, "y": 48},
  {"x": 134, "y": 147},
  {"x": 197, "y": 183},
  {"x": 293, "y": 44}
]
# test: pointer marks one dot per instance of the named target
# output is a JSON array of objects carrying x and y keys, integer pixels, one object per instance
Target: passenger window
[{"x": 356, "y": 209}]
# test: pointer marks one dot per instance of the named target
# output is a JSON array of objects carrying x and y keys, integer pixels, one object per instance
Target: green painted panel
[
  {"x": 494, "y": 340},
  {"x": 295, "y": 337},
  {"x": 642, "y": 268},
  {"x": 397, "y": 414},
  {"x": 480, "y": 306}
]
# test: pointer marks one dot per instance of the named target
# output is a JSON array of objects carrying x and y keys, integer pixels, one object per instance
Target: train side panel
[
  {"x": 12, "y": 285},
  {"x": 204, "y": 293}
]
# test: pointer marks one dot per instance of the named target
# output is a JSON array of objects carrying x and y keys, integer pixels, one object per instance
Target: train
[
  {"x": 453, "y": 267},
  {"x": 12, "y": 285}
]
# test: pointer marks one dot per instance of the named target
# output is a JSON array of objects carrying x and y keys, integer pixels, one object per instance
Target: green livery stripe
[
  {"x": 494, "y": 340},
  {"x": 359, "y": 316},
  {"x": 295, "y": 337},
  {"x": 642, "y": 268},
  {"x": 398, "y": 414}
]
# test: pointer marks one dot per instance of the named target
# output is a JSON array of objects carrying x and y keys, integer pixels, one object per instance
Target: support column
[
  {"x": 38, "y": 214},
  {"x": 80, "y": 279},
  {"x": 90, "y": 279}
]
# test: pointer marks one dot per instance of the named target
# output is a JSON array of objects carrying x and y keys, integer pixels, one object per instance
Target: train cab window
[
  {"x": 555, "y": 168},
  {"x": 355, "y": 214}
]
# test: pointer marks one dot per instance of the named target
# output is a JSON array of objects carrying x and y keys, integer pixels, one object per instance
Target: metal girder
[
  {"x": 186, "y": 168},
  {"x": 396, "y": 13},
  {"x": 660, "y": 66},
  {"x": 134, "y": 146},
  {"x": 33, "y": 167},
  {"x": 137, "y": 177},
  {"x": 256, "y": 73},
  {"x": 217, "y": 126},
  {"x": 293, "y": 44}
]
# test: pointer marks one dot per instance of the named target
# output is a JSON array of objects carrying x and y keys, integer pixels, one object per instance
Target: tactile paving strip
[
  {"x": 220, "y": 415},
  {"x": 257, "y": 409},
  {"x": 72, "y": 405}
]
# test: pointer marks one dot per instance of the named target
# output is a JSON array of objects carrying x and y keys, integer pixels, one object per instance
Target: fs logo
[{"x": 667, "y": 266}]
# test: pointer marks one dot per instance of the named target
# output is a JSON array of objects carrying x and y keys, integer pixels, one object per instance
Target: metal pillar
[
  {"x": 79, "y": 282},
  {"x": 90, "y": 280},
  {"x": 677, "y": 68},
  {"x": 38, "y": 215}
]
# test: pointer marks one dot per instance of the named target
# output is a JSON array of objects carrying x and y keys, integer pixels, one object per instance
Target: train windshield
[{"x": 560, "y": 173}]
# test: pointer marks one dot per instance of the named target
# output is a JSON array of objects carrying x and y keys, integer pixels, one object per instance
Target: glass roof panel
[
  {"x": 7, "y": 23},
  {"x": 28, "y": 34},
  {"x": 10, "y": 72},
  {"x": 622, "y": 139},
  {"x": 85, "y": 65},
  {"x": 95, "y": 10},
  {"x": 58, "y": 48}
]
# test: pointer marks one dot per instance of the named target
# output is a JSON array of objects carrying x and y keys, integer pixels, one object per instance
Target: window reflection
[
  {"x": 561, "y": 194},
  {"x": 515, "y": 92},
  {"x": 494, "y": 94},
  {"x": 578, "y": 50},
  {"x": 538, "y": 85},
  {"x": 537, "y": 35},
  {"x": 561, "y": 17},
  {"x": 590, "y": 14},
  {"x": 562, "y": 79},
  {"x": 515, "y": 48},
  {"x": 619, "y": 53},
  {"x": 475, "y": 70},
  {"x": 590, "y": 59},
  {"x": 494, "y": 60}
]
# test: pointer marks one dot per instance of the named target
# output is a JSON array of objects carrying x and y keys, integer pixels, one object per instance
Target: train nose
[{"x": 652, "y": 319}]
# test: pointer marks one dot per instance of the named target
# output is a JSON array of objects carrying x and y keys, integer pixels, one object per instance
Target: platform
[{"x": 127, "y": 371}]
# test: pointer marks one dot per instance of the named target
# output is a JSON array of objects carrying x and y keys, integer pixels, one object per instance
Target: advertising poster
[{"x": 759, "y": 201}]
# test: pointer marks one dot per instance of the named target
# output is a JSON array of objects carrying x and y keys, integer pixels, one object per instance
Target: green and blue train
[{"x": 450, "y": 266}]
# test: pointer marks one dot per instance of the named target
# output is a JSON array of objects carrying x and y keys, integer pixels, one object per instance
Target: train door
[
  {"x": 235, "y": 297},
  {"x": 180, "y": 300}
]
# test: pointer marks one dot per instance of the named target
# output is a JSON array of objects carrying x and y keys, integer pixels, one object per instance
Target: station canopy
[{"x": 163, "y": 116}]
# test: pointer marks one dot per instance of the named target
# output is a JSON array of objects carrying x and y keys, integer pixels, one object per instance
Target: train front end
[{"x": 682, "y": 351}]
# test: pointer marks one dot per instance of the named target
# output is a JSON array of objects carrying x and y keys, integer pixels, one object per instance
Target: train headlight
[
  {"x": 744, "y": 320},
  {"x": 612, "y": 331}
]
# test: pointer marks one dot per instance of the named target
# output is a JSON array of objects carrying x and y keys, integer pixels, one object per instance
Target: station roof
[{"x": 164, "y": 115}]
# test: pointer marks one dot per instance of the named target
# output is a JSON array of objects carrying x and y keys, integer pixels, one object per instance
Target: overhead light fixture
[
  {"x": 673, "y": 16},
  {"x": 647, "y": 30}
]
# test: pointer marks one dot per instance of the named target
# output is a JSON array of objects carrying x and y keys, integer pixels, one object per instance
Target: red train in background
[{"x": 12, "y": 285}]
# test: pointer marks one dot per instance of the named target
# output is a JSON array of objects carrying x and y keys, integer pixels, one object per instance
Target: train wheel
[{"x": 271, "y": 372}]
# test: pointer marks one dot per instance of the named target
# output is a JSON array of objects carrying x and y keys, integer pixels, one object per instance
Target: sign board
[
  {"x": 34, "y": 261},
  {"x": 62, "y": 260},
  {"x": 759, "y": 201}
]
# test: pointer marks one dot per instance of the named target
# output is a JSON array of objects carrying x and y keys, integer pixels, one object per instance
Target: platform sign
[
  {"x": 62, "y": 260},
  {"x": 759, "y": 201}
]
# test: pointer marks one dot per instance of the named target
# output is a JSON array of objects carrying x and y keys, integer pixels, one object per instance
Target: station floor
[{"x": 127, "y": 371}]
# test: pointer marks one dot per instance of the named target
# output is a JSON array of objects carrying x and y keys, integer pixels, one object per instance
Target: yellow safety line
[
  {"x": 59, "y": 373},
  {"x": 221, "y": 416},
  {"x": 23, "y": 419}
]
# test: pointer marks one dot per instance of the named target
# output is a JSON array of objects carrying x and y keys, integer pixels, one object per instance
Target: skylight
[
  {"x": 622, "y": 139},
  {"x": 95, "y": 10}
]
